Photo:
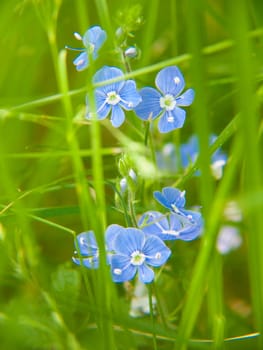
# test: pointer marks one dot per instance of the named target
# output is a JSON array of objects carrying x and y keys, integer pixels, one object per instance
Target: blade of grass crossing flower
[
  {"x": 198, "y": 282},
  {"x": 249, "y": 121}
]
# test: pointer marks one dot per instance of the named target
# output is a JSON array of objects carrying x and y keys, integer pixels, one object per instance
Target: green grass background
[{"x": 58, "y": 174}]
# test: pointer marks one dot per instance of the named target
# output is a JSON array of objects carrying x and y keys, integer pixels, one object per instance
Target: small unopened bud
[
  {"x": 77, "y": 36},
  {"x": 123, "y": 185},
  {"x": 131, "y": 52},
  {"x": 133, "y": 175}
]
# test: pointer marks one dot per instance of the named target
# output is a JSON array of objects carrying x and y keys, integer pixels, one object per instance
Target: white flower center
[
  {"x": 91, "y": 48},
  {"x": 137, "y": 258},
  {"x": 168, "y": 102},
  {"x": 113, "y": 98}
]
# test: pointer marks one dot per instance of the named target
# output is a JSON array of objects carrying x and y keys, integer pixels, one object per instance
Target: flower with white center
[
  {"x": 166, "y": 102},
  {"x": 171, "y": 226},
  {"x": 93, "y": 39},
  {"x": 133, "y": 252},
  {"x": 113, "y": 97}
]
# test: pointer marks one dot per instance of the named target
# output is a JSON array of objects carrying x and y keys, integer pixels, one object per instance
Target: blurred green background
[{"x": 44, "y": 303}]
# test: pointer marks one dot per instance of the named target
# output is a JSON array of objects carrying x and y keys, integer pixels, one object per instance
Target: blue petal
[
  {"x": 117, "y": 116},
  {"x": 186, "y": 98},
  {"x": 108, "y": 73},
  {"x": 146, "y": 274},
  {"x": 90, "y": 263},
  {"x": 86, "y": 243},
  {"x": 171, "y": 120},
  {"x": 156, "y": 251},
  {"x": 95, "y": 36},
  {"x": 111, "y": 233},
  {"x": 170, "y": 198},
  {"x": 153, "y": 222},
  {"x": 121, "y": 268},
  {"x": 130, "y": 98},
  {"x": 170, "y": 81},
  {"x": 149, "y": 108},
  {"x": 129, "y": 241},
  {"x": 189, "y": 151},
  {"x": 81, "y": 61}
]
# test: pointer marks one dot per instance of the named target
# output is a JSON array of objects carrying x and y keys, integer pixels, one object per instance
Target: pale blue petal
[
  {"x": 117, "y": 116},
  {"x": 174, "y": 196},
  {"x": 103, "y": 108},
  {"x": 153, "y": 223},
  {"x": 146, "y": 274},
  {"x": 110, "y": 235},
  {"x": 95, "y": 36},
  {"x": 170, "y": 198},
  {"x": 108, "y": 73},
  {"x": 149, "y": 108},
  {"x": 130, "y": 98},
  {"x": 90, "y": 262},
  {"x": 81, "y": 61},
  {"x": 186, "y": 98},
  {"x": 86, "y": 243},
  {"x": 121, "y": 268},
  {"x": 171, "y": 120},
  {"x": 156, "y": 251},
  {"x": 170, "y": 81},
  {"x": 129, "y": 241}
]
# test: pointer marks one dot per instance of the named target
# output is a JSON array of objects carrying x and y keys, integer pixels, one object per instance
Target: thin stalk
[
  {"x": 150, "y": 295},
  {"x": 215, "y": 301}
]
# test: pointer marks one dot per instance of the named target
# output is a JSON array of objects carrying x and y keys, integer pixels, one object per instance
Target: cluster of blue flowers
[
  {"x": 171, "y": 159},
  {"x": 111, "y": 98},
  {"x": 137, "y": 250}
]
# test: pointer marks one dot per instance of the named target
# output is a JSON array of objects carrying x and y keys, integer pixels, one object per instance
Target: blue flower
[
  {"x": 135, "y": 251},
  {"x": 171, "y": 198},
  {"x": 167, "y": 101},
  {"x": 174, "y": 200},
  {"x": 171, "y": 226},
  {"x": 190, "y": 152},
  {"x": 113, "y": 97},
  {"x": 93, "y": 39},
  {"x": 87, "y": 246}
]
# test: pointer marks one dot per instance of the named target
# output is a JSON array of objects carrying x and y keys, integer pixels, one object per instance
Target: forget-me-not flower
[
  {"x": 171, "y": 226},
  {"x": 93, "y": 39},
  {"x": 87, "y": 246},
  {"x": 190, "y": 152},
  {"x": 167, "y": 102},
  {"x": 174, "y": 200},
  {"x": 134, "y": 252},
  {"x": 112, "y": 98}
]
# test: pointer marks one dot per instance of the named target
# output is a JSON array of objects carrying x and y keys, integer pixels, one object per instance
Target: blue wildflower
[
  {"x": 190, "y": 152},
  {"x": 171, "y": 198},
  {"x": 171, "y": 226},
  {"x": 167, "y": 101},
  {"x": 93, "y": 39},
  {"x": 87, "y": 246},
  {"x": 112, "y": 98},
  {"x": 134, "y": 251},
  {"x": 174, "y": 200}
]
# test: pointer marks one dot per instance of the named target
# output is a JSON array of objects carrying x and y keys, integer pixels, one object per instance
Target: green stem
[{"x": 150, "y": 295}]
